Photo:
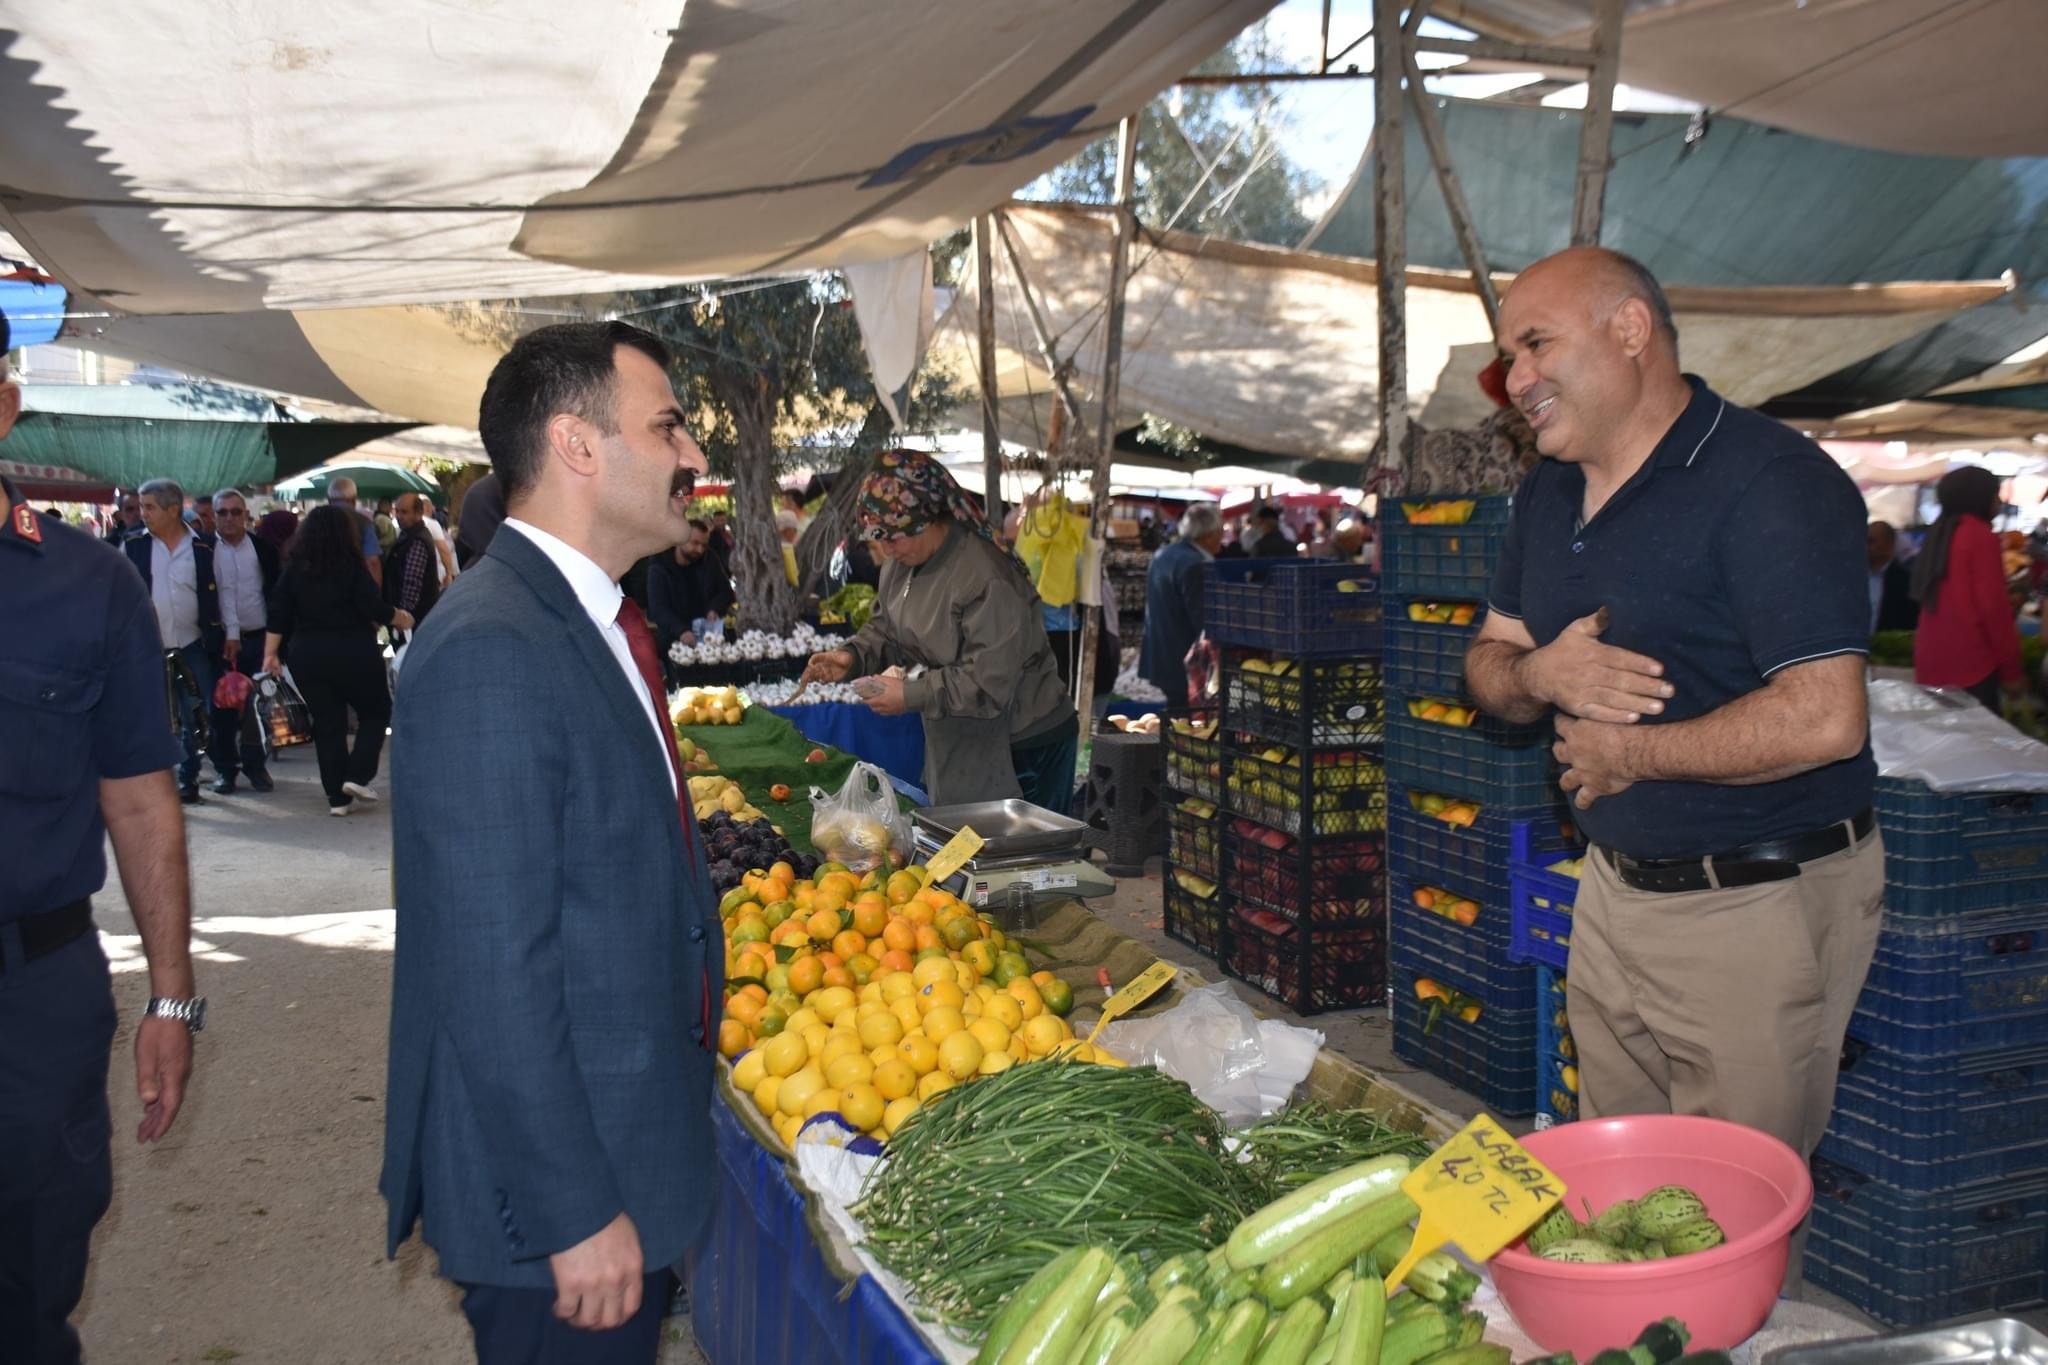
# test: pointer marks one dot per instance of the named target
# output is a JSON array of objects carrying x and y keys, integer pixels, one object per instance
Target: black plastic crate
[
  {"x": 1473, "y": 858},
  {"x": 1343, "y": 790},
  {"x": 1435, "y": 947},
  {"x": 1194, "y": 920},
  {"x": 1292, "y": 606},
  {"x": 1307, "y": 968},
  {"x": 1927, "y": 1123},
  {"x": 1423, "y": 560},
  {"x": 1426, "y": 657},
  {"x": 1487, "y": 760},
  {"x": 1333, "y": 703},
  {"x": 1908, "y": 1259},
  {"x": 1494, "y": 1058},
  {"x": 1194, "y": 836},
  {"x": 1948, "y": 854},
  {"x": 1194, "y": 765},
  {"x": 1961, "y": 984},
  {"x": 1336, "y": 882}
]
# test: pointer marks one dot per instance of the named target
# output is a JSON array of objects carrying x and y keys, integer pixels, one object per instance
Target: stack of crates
[
  {"x": 1931, "y": 1185},
  {"x": 1303, "y": 825},
  {"x": 1543, "y": 885},
  {"x": 1457, "y": 783},
  {"x": 1194, "y": 902}
]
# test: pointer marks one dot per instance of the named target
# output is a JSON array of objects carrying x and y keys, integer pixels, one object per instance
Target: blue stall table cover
[{"x": 895, "y": 744}]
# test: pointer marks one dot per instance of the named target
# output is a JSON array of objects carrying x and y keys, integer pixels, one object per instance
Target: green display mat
[{"x": 764, "y": 749}]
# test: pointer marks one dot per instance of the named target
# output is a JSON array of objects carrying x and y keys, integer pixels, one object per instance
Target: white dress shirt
[
  {"x": 174, "y": 590},
  {"x": 600, "y": 597},
  {"x": 240, "y": 575},
  {"x": 445, "y": 563}
]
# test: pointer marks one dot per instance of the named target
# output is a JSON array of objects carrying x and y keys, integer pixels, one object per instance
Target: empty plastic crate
[
  {"x": 1951, "y": 853},
  {"x": 1194, "y": 920},
  {"x": 1486, "y": 761},
  {"x": 1308, "y": 968},
  {"x": 1908, "y": 1259},
  {"x": 1292, "y": 606},
  {"x": 1928, "y": 1123},
  {"x": 1340, "y": 881},
  {"x": 1557, "y": 1057},
  {"x": 1437, "y": 948},
  {"x": 1469, "y": 858},
  {"x": 1966, "y": 983},
  {"x": 1343, "y": 791},
  {"x": 1426, "y": 658},
  {"x": 1541, "y": 899},
  {"x": 1494, "y": 1059},
  {"x": 1194, "y": 765},
  {"x": 1441, "y": 561},
  {"x": 1322, "y": 702}
]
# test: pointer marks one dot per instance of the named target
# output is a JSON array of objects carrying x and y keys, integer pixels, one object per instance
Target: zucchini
[
  {"x": 1050, "y": 1334},
  {"x": 1234, "y": 1336},
  {"x": 1311, "y": 1261},
  {"x": 1181, "y": 1269},
  {"x": 1665, "y": 1341},
  {"x": 1408, "y": 1339},
  {"x": 1477, "y": 1354},
  {"x": 1292, "y": 1218},
  {"x": 1110, "y": 1328},
  {"x": 1023, "y": 1304},
  {"x": 1165, "y": 1337},
  {"x": 1295, "y": 1335},
  {"x": 1364, "y": 1322},
  {"x": 1238, "y": 1284},
  {"x": 1325, "y": 1352}
]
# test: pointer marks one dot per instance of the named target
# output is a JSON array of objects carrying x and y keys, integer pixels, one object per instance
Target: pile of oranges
[{"x": 869, "y": 995}]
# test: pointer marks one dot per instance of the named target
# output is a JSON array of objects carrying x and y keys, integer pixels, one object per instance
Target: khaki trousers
[{"x": 1730, "y": 1003}]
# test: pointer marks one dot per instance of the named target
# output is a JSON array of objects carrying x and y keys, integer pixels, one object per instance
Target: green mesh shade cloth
[{"x": 126, "y": 451}]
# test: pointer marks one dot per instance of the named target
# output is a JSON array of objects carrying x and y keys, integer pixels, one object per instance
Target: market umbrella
[{"x": 372, "y": 481}]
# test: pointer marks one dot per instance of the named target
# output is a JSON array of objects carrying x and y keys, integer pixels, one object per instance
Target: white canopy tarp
[{"x": 1277, "y": 351}]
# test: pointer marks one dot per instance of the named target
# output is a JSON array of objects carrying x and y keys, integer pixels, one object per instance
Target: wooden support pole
[
  {"x": 991, "y": 434},
  {"x": 1390, "y": 230},
  {"x": 1105, "y": 424},
  {"x": 1596, "y": 134},
  {"x": 1454, "y": 193}
]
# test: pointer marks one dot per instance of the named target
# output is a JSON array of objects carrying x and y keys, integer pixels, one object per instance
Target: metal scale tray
[{"x": 1009, "y": 829}]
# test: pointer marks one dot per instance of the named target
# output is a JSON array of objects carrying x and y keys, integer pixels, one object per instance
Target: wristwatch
[{"x": 190, "y": 1013}]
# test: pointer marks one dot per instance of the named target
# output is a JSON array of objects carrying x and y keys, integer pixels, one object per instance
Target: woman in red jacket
[{"x": 1967, "y": 637}]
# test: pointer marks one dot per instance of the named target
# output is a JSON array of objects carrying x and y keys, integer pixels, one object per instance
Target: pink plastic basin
[{"x": 1754, "y": 1186}]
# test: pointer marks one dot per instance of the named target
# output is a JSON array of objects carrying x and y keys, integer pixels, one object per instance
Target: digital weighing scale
[{"x": 1029, "y": 856}]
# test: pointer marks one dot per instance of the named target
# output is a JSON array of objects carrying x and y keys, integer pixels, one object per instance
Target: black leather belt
[
  {"x": 44, "y": 934},
  {"x": 1771, "y": 860}
]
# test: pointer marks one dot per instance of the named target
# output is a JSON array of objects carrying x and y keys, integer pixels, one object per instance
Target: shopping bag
[{"x": 861, "y": 825}]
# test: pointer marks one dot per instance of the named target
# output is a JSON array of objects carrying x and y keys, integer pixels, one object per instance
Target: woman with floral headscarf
[{"x": 957, "y": 614}]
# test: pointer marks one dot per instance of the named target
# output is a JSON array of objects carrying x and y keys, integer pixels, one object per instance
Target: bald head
[{"x": 411, "y": 510}]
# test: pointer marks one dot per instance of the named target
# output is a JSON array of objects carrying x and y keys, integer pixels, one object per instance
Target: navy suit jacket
[
  {"x": 1173, "y": 618},
  {"x": 211, "y": 632},
  {"x": 558, "y": 947}
]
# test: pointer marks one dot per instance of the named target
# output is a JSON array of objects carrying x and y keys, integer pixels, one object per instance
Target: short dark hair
[
  {"x": 570, "y": 367},
  {"x": 701, "y": 524}
]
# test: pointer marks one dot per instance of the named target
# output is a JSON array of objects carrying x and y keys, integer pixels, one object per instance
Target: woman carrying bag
[{"x": 327, "y": 610}]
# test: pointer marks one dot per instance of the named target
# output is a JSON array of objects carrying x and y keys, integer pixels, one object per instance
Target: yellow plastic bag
[{"x": 1051, "y": 541}]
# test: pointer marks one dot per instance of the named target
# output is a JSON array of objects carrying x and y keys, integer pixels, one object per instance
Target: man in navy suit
[
  {"x": 559, "y": 960},
  {"x": 176, "y": 565}
]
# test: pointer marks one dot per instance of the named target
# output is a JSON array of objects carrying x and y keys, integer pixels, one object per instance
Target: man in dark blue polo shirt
[
  {"x": 1683, "y": 588},
  {"x": 86, "y": 749}
]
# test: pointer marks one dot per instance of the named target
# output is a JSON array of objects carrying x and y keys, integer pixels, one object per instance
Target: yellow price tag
[
  {"x": 957, "y": 851},
  {"x": 1481, "y": 1190},
  {"x": 1140, "y": 989}
]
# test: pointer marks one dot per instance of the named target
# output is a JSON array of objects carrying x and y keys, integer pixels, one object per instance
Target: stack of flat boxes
[
  {"x": 1303, "y": 825},
  {"x": 1931, "y": 1185},
  {"x": 1454, "y": 794}
]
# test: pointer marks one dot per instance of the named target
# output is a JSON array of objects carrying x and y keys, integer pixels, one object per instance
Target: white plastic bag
[
  {"x": 1213, "y": 1041},
  {"x": 861, "y": 824},
  {"x": 1950, "y": 742}
]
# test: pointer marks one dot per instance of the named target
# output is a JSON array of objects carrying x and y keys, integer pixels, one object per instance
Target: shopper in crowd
[
  {"x": 1236, "y": 541},
  {"x": 431, "y": 518},
  {"x": 685, "y": 586},
  {"x": 202, "y": 516},
  {"x": 483, "y": 509},
  {"x": 957, "y": 629},
  {"x": 791, "y": 500},
  {"x": 276, "y": 528},
  {"x": 1711, "y": 724},
  {"x": 1173, "y": 601},
  {"x": 326, "y": 612},
  {"x": 84, "y": 765},
  {"x": 127, "y": 521},
  {"x": 342, "y": 493},
  {"x": 1268, "y": 540},
  {"x": 177, "y": 568},
  {"x": 1350, "y": 542},
  {"x": 1891, "y": 583},
  {"x": 246, "y": 570},
  {"x": 412, "y": 566},
  {"x": 386, "y": 525},
  {"x": 557, "y": 931},
  {"x": 1967, "y": 636}
]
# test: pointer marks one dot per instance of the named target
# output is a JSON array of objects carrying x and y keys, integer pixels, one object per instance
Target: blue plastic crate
[
  {"x": 1494, "y": 1059},
  {"x": 1967, "y": 983},
  {"x": 1435, "y": 947},
  {"x": 1329, "y": 703},
  {"x": 1488, "y": 761},
  {"x": 1948, "y": 854},
  {"x": 1908, "y": 1259},
  {"x": 1292, "y": 606},
  {"x": 1540, "y": 899},
  {"x": 1472, "y": 859},
  {"x": 1929, "y": 1122},
  {"x": 1489, "y": 927},
  {"x": 1425, "y": 658},
  {"x": 1557, "y": 1096},
  {"x": 1442, "y": 561},
  {"x": 1308, "y": 968}
]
